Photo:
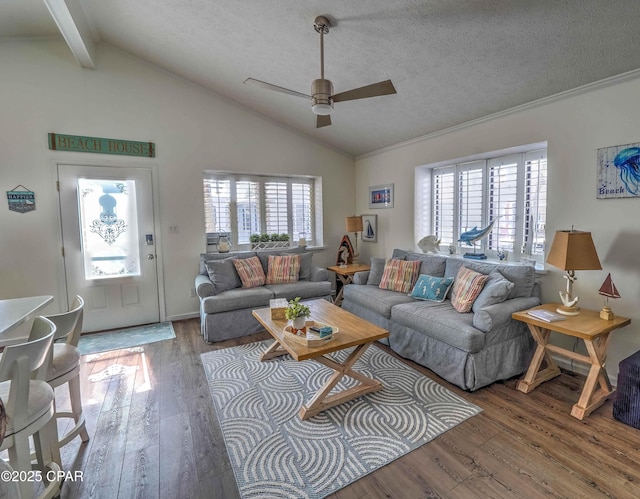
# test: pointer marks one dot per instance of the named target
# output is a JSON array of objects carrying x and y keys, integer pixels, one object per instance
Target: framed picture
[
  {"x": 370, "y": 228},
  {"x": 381, "y": 196},
  {"x": 618, "y": 172}
]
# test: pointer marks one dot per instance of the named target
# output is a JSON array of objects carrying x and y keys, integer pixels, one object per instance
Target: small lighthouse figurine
[{"x": 608, "y": 290}]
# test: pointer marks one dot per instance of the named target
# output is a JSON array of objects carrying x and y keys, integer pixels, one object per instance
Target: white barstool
[
  {"x": 29, "y": 404},
  {"x": 65, "y": 366}
]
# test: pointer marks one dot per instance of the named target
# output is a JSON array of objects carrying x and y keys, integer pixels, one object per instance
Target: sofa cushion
[
  {"x": 496, "y": 290},
  {"x": 430, "y": 264},
  {"x": 399, "y": 275},
  {"x": 207, "y": 257},
  {"x": 283, "y": 269},
  {"x": 305, "y": 265},
  {"x": 431, "y": 288},
  {"x": 376, "y": 271},
  {"x": 375, "y": 299},
  {"x": 303, "y": 289},
  {"x": 466, "y": 288},
  {"x": 223, "y": 275},
  {"x": 250, "y": 272},
  {"x": 236, "y": 299},
  {"x": 442, "y": 322},
  {"x": 522, "y": 276}
]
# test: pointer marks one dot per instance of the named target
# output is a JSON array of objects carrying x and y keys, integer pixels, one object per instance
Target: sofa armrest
[
  {"x": 495, "y": 315},
  {"x": 361, "y": 277},
  {"x": 319, "y": 274},
  {"x": 204, "y": 286}
]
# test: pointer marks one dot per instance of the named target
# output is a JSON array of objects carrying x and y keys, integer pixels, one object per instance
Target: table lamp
[
  {"x": 609, "y": 290},
  {"x": 572, "y": 250},
  {"x": 354, "y": 224}
]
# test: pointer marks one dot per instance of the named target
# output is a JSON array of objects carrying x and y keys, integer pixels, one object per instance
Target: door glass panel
[{"x": 109, "y": 228}]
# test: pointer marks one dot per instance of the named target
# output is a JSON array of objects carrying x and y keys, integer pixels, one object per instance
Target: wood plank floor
[{"x": 154, "y": 434}]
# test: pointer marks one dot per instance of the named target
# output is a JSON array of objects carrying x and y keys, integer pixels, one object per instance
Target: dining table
[{"x": 13, "y": 313}]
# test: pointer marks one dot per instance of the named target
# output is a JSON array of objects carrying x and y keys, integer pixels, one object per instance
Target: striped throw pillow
[
  {"x": 400, "y": 275},
  {"x": 283, "y": 269},
  {"x": 250, "y": 271},
  {"x": 466, "y": 288}
]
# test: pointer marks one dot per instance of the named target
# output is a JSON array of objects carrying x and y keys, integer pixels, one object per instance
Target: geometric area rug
[
  {"x": 125, "y": 338},
  {"x": 275, "y": 454}
]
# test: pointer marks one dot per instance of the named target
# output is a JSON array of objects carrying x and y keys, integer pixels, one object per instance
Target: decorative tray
[{"x": 309, "y": 338}]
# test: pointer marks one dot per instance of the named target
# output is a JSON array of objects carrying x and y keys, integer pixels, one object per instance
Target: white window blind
[
  {"x": 469, "y": 197},
  {"x": 444, "y": 204},
  {"x": 502, "y": 203},
  {"x": 251, "y": 204},
  {"x": 217, "y": 205},
  {"x": 301, "y": 200},
  {"x": 276, "y": 207},
  {"x": 512, "y": 190},
  {"x": 535, "y": 207},
  {"x": 248, "y": 209}
]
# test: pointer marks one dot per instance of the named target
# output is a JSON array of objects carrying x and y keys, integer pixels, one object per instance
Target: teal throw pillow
[{"x": 431, "y": 288}]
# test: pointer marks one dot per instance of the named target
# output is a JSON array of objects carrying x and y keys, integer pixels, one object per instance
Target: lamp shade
[
  {"x": 354, "y": 224},
  {"x": 573, "y": 250}
]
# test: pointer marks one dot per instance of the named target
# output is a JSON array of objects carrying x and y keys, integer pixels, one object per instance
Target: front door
[{"x": 109, "y": 244}]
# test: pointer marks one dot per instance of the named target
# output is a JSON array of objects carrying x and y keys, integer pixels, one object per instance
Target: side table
[
  {"x": 594, "y": 331},
  {"x": 345, "y": 275}
]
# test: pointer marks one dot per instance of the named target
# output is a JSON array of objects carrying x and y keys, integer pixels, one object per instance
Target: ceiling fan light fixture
[{"x": 322, "y": 109}]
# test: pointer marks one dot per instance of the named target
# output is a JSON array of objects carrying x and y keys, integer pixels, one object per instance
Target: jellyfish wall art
[{"x": 619, "y": 171}]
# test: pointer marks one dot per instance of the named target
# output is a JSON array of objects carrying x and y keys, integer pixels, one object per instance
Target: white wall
[
  {"x": 42, "y": 90},
  {"x": 575, "y": 127}
]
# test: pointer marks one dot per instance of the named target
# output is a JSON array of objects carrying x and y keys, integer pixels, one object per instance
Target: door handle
[{"x": 151, "y": 256}]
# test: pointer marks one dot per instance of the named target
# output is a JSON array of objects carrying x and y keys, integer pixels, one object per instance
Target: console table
[
  {"x": 345, "y": 275},
  {"x": 590, "y": 328}
]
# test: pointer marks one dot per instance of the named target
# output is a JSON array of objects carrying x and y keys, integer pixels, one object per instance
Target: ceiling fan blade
[
  {"x": 275, "y": 88},
  {"x": 323, "y": 120},
  {"x": 373, "y": 90}
]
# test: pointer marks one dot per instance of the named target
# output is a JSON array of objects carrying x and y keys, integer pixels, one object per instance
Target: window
[
  {"x": 250, "y": 204},
  {"x": 510, "y": 189}
]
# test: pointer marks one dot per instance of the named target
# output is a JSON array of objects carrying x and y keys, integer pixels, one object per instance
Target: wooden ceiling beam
[{"x": 74, "y": 27}]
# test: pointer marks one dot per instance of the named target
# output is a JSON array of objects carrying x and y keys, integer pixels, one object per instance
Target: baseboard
[
  {"x": 579, "y": 368},
  {"x": 182, "y": 317}
]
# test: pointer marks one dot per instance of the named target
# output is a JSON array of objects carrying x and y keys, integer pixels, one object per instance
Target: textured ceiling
[{"x": 451, "y": 61}]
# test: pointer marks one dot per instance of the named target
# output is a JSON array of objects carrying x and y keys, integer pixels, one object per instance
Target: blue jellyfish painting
[{"x": 628, "y": 162}]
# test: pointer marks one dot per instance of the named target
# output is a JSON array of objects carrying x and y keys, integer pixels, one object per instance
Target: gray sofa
[
  {"x": 470, "y": 350},
  {"x": 226, "y": 313}
]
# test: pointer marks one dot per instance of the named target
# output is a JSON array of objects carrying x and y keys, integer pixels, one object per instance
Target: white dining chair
[
  {"x": 65, "y": 366},
  {"x": 29, "y": 404}
]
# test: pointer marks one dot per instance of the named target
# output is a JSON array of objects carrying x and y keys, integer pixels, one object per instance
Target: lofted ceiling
[{"x": 451, "y": 61}]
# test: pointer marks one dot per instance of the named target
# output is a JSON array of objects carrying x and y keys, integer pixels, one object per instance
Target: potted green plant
[{"x": 297, "y": 312}]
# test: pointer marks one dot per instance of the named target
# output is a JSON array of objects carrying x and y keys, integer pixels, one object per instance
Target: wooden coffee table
[{"x": 353, "y": 332}]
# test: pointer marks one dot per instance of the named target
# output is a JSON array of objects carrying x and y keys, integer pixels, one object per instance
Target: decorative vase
[
  {"x": 298, "y": 322},
  {"x": 224, "y": 245}
]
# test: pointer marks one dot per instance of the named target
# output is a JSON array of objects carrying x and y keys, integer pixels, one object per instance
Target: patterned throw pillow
[
  {"x": 283, "y": 269},
  {"x": 431, "y": 288},
  {"x": 466, "y": 288},
  {"x": 250, "y": 271},
  {"x": 399, "y": 275}
]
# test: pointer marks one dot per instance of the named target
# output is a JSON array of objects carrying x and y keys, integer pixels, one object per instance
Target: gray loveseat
[
  {"x": 225, "y": 307},
  {"x": 470, "y": 350}
]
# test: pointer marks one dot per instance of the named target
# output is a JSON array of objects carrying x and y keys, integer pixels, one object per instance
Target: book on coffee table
[
  {"x": 546, "y": 315},
  {"x": 311, "y": 338}
]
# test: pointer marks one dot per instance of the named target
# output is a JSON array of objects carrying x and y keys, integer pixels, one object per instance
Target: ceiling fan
[{"x": 322, "y": 96}]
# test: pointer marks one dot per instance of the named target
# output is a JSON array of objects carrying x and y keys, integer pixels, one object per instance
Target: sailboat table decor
[{"x": 608, "y": 290}]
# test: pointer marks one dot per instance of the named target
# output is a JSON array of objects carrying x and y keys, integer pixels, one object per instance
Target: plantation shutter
[
  {"x": 443, "y": 182},
  {"x": 470, "y": 188},
  {"x": 502, "y": 202},
  {"x": 276, "y": 207},
  {"x": 217, "y": 204},
  {"x": 301, "y": 202},
  {"x": 248, "y": 209},
  {"x": 535, "y": 208}
]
